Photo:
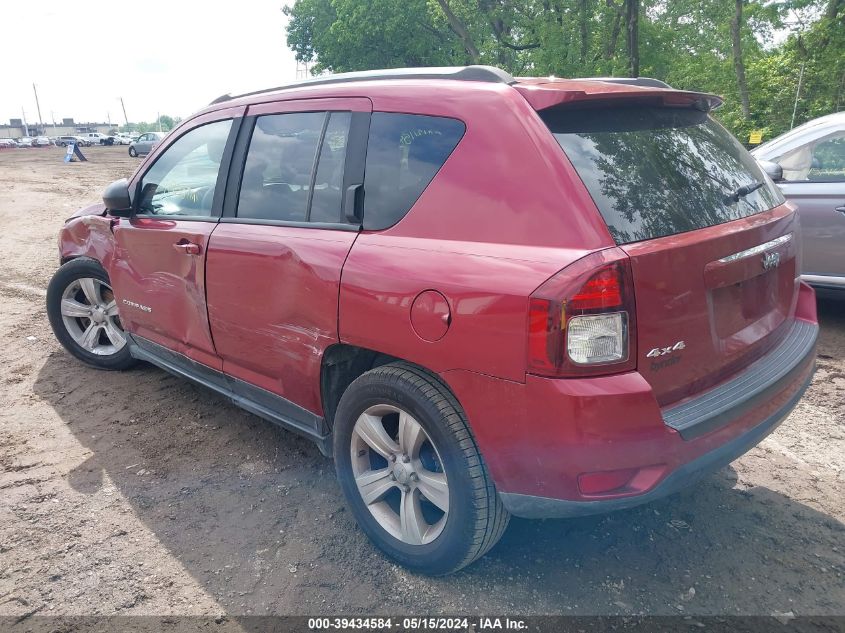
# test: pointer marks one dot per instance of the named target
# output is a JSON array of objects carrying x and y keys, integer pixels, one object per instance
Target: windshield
[{"x": 659, "y": 171}]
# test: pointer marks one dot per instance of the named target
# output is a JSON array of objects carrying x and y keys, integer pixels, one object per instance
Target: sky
[{"x": 162, "y": 56}]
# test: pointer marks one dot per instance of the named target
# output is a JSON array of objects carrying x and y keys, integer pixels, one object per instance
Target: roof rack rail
[
  {"x": 633, "y": 81},
  {"x": 487, "y": 74}
]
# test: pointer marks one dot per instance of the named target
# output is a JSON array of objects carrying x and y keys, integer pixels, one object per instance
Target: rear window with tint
[
  {"x": 404, "y": 153},
  {"x": 659, "y": 171}
]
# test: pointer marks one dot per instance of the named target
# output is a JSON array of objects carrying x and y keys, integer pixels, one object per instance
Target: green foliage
[
  {"x": 684, "y": 42},
  {"x": 167, "y": 123},
  {"x": 344, "y": 35}
]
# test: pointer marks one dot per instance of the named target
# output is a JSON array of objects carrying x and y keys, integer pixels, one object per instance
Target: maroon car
[{"x": 483, "y": 295}]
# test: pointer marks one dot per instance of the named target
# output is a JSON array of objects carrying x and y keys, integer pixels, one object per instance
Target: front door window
[{"x": 183, "y": 179}]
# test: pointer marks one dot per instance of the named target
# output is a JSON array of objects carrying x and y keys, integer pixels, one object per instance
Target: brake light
[
  {"x": 603, "y": 290},
  {"x": 582, "y": 320}
]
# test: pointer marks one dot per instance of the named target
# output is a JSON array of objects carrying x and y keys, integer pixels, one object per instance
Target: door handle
[
  {"x": 189, "y": 248},
  {"x": 840, "y": 209}
]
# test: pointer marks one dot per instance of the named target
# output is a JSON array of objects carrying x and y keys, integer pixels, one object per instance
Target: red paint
[
  {"x": 147, "y": 270},
  {"x": 681, "y": 295},
  {"x": 430, "y": 316},
  {"x": 538, "y": 436},
  {"x": 272, "y": 302},
  {"x": 449, "y": 286}
]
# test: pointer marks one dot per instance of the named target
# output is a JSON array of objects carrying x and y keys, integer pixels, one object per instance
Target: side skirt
[{"x": 257, "y": 401}]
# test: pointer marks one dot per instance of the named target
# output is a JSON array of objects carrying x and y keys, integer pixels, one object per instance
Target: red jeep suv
[{"x": 483, "y": 295}]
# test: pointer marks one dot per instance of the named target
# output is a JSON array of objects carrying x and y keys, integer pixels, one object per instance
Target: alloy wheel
[
  {"x": 399, "y": 474},
  {"x": 90, "y": 316}
]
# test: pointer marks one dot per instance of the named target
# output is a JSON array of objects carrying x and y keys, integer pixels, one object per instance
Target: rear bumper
[
  {"x": 530, "y": 506},
  {"x": 755, "y": 386},
  {"x": 560, "y": 448}
]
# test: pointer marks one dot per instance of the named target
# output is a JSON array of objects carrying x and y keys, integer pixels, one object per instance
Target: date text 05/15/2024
[{"x": 418, "y": 624}]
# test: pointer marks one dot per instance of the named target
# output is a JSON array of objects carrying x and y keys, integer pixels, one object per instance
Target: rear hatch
[{"x": 713, "y": 248}]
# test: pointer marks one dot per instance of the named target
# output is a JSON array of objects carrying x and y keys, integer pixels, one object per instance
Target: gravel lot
[{"x": 138, "y": 493}]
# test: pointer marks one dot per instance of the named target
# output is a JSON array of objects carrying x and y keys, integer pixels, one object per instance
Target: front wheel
[
  {"x": 84, "y": 315},
  {"x": 411, "y": 472}
]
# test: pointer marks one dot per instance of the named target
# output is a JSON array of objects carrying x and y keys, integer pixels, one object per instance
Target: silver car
[
  {"x": 808, "y": 163},
  {"x": 145, "y": 143}
]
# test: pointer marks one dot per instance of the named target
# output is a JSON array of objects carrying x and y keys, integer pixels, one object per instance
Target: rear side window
[
  {"x": 404, "y": 153},
  {"x": 660, "y": 171},
  {"x": 294, "y": 167}
]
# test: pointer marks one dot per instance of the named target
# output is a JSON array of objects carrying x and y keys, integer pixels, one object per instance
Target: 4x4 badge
[
  {"x": 771, "y": 260},
  {"x": 663, "y": 351}
]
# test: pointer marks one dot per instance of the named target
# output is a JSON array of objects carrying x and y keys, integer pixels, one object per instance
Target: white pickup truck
[{"x": 95, "y": 138}]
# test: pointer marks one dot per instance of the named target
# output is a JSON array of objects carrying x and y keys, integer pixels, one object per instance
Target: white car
[
  {"x": 8, "y": 142},
  {"x": 123, "y": 138},
  {"x": 41, "y": 141},
  {"x": 26, "y": 141}
]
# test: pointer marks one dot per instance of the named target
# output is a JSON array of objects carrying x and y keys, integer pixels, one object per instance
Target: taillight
[{"x": 582, "y": 321}]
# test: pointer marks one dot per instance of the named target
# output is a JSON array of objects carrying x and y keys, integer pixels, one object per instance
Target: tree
[
  {"x": 632, "y": 19},
  {"x": 708, "y": 45},
  {"x": 739, "y": 67},
  {"x": 345, "y": 35},
  {"x": 460, "y": 29}
]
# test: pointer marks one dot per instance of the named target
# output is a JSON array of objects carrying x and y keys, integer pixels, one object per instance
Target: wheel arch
[
  {"x": 343, "y": 363},
  {"x": 87, "y": 235}
]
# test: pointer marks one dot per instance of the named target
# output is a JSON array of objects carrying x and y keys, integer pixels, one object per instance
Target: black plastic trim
[
  {"x": 335, "y": 226},
  {"x": 236, "y": 167},
  {"x": 533, "y": 507},
  {"x": 751, "y": 388},
  {"x": 353, "y": 167},
  {"x": 258, "y": 401}
]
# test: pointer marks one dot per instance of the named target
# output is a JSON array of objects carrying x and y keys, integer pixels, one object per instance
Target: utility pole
[
  {"x": 159, "y": 121},
  {"x": 797, "y": 94},
  {"x": 25, "y": 126},
  {"x": 125, "y": 118},
  {"x": 37, "y": 106}
]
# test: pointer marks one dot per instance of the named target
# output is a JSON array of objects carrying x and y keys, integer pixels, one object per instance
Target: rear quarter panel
[{"x": 505, "y": 212}]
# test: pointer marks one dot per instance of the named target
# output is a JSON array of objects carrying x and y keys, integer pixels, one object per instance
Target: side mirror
[
  {"x": 773, "y": 170},
  {"x": 116, "y": 198}
]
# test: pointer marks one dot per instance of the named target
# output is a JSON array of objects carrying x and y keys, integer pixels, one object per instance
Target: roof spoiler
[{"x": 648, "y": 82}]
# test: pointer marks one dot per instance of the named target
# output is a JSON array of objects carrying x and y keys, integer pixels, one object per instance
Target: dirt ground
[{"x": 139, "y": 493}]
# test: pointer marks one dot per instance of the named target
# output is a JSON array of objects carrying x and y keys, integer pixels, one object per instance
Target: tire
[
  {"x": 443, "y": 541},
  {"x": 133, "y": 152},
  {"x": 84, "y": 316}
]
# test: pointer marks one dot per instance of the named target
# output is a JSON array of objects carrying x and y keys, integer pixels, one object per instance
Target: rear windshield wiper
[{"x": 744, "y": 191}]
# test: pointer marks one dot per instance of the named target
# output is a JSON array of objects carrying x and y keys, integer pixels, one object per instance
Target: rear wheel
[
  {"x": 411, "y": 472},
  {"x": 84, "y": 316},
  {"x": 132, "y": 152}
]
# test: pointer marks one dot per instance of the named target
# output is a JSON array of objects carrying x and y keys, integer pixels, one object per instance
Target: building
[{"x": 16, "y": 128}]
